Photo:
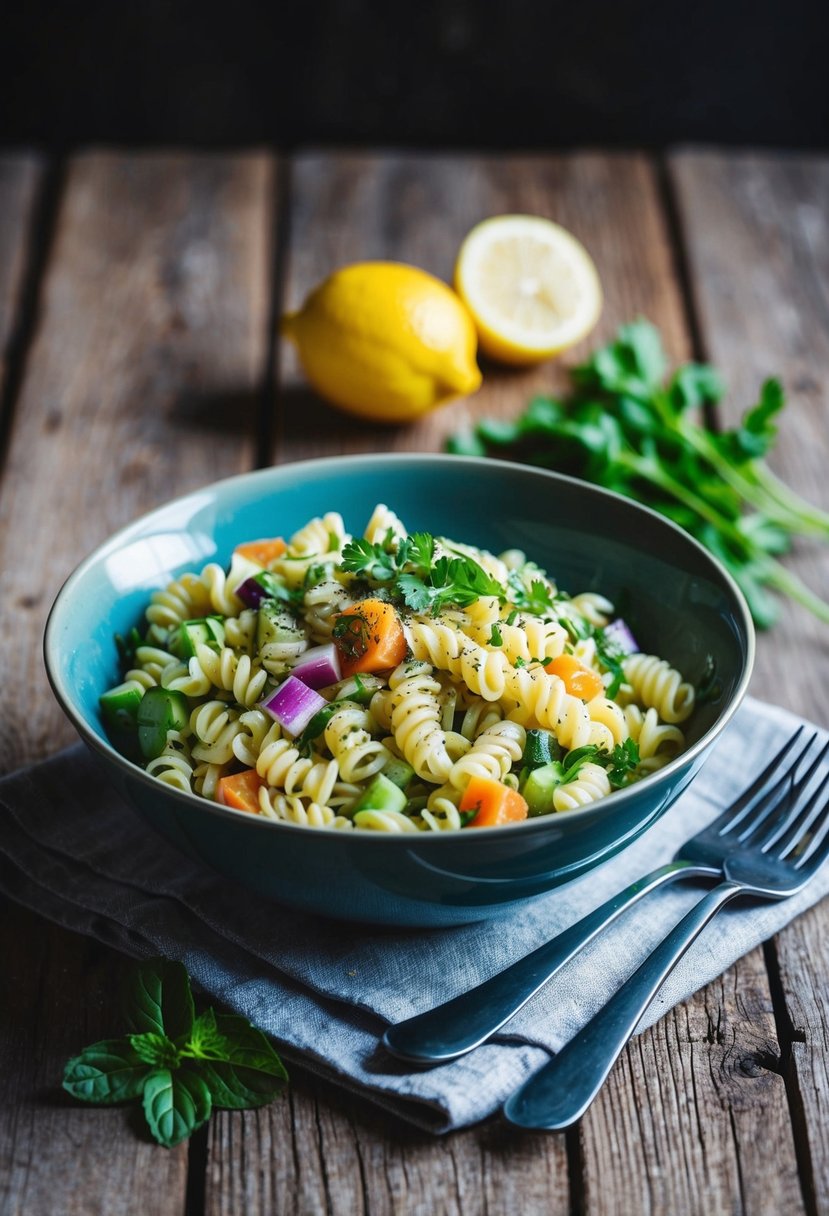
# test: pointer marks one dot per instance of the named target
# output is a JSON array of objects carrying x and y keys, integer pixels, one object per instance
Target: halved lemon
[{"x": 531, "y": 287}]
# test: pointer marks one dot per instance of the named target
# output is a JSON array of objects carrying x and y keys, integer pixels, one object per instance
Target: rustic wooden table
[{"x": 138, "y": 295}]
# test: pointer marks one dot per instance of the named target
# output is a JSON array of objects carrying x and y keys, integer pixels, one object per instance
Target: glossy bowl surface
[{"x": 681, "y": 604}]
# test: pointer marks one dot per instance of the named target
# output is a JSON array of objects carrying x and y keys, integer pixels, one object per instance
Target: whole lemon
[{"x": 385, "y": 341}]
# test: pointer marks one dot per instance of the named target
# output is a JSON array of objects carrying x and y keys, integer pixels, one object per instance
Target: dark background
[{"x": 458, "y": 72}]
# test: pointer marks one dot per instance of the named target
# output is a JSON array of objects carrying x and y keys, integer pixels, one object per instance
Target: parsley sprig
[
  {"x": 179, "y": 1064},
  {"x": 619, "y": 763},
  {"x": 411, "y": 573},
  {"x": 629, "y": 426}
]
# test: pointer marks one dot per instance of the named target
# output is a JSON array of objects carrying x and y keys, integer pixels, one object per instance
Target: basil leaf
[
  {"x": 233, "y": 1087},
  {"x": 249, "y": 1047},
  {"x": 155, "y": 1049},
  {"x": 159, "y": 999},
  {"x": 175, "y": 1104},
  {"x": 206, "y": 1041},
  {"x": 107, "y": 1072}
]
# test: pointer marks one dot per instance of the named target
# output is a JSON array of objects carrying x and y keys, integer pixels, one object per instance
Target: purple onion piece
[
  {"x": 251, "y": 592},
  {"x": 293, "y": 704},
  {"x": 618, "y": 631},
  {"x": 319, "y": 666}
]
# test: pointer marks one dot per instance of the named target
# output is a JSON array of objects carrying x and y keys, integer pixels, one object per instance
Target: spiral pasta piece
[
  {"x": 590, "y": 784},
  {"x": 383, "y": 520},
  {"x": 237, "y": 674},
  {"x": 214, "y": 725},
  {"x": 492, "y": 754},
  {"x": 173, "y": 766},
  {"x": 444, "y": 646},
  {"x": 348, "y": 737},
  {"x": 416, "y": 721},
  {"x": 182, "y": 599},
  {"x": 657, "y": 685},
  {"x": 305, "y": 813}
]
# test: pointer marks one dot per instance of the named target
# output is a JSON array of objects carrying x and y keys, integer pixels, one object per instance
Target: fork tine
[
  {"x": 737, "y": 811},
  {"x": 785, "y": 835},
  {"x": 818, "y": 848},
  {"x": 779, "y": 813}
]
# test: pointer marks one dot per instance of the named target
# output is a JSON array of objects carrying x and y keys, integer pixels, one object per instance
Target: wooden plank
[
  {"x": 143, "y": 381},
  {"x": 708, "y": 1106},
  {"x": 323, "y": 1152},
  {"x": 758, "y": 244},
  {"x": 417, "y": 209},
  {"x": 20, "y": 179},
  {"x": 57, "y": 1155}
]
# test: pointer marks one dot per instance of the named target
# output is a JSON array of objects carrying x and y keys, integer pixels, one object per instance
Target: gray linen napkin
[{"x": 71, "y": 850}]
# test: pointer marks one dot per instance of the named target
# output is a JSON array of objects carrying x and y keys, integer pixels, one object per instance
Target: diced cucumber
[
  {"x": 206, "y": 631},
  {"x": 542, "y": 747},
  {"x": 398, "y": 772},
  {"x": 539, "y": 786},
  {"x": 275, "y": 624},
  {"x": 380, "y": 795},
  {"x": 161, "y": 710},
  {"x": 119, "y": 705}
]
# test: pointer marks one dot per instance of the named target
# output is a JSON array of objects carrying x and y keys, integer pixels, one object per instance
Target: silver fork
[
  {"x": 781, "y": 846},
  {"x": 455, "y": 1027}
]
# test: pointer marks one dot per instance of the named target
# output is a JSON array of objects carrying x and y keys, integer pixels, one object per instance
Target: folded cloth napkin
[{"x": 71, "y": 850}]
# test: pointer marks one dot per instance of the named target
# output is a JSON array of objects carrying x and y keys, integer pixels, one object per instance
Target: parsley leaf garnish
[
  {"x": 179, "y": 1065},
  {"x": 408, "y": 569}
]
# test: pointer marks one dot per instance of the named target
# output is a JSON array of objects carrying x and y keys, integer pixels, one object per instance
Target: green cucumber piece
[
  {"x": 119, "y": 705},
  {"x": 161, "y": 710},
  {"x": 539, "y": 786},
  {"x": 275, "y": 624},
  {"x": 206, "y": 631},
  {"x": 542, "y": 747},
  {"x": 398, "y": 772},
  {"x": 380, "y": 795}
]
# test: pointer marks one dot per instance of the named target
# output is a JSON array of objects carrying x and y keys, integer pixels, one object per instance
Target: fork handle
[
  {"x": 455, "y": 1027},
  {"x": 561, "y": 1092}
]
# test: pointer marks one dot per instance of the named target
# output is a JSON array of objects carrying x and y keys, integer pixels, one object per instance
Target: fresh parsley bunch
[
  {"x": 180, "y": 1065},
  {"x": 629, "y": 426}
]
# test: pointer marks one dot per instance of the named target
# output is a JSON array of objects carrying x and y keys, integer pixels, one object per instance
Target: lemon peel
[{"x": 385, "y": 341}]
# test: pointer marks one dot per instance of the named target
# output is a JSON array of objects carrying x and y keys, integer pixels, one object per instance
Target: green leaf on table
[
  {"x": 214, "y": 1058},
  {"x": 155, "y": 1049},
  {"x": 159, "y": 999},
  {"x": 176, "y": 1103},
  {"x": 105, "y": 1072}
]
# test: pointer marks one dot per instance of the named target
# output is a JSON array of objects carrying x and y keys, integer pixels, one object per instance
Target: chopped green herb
[{"x": 495, "y": 638}]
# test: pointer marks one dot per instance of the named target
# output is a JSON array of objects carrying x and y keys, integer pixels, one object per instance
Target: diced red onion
[
  {"x": 251, "y": 592},
  {"x": 319, "y": 666},
  {"x": 293, "y": 704},
  {"x": 619, "y": 632}
]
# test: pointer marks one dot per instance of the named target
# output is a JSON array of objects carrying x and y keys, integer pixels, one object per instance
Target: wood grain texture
[
  {"x": 692, "y": 1109},
  {"x": 20, "y": 179},
  {"x": 58, "y": 1156},
  {"x": 757, "y": 234},
  {"x": 418, "y": 209},
  {"x": 143, "y": 381},
  {"x": 323, "y": 1152}
]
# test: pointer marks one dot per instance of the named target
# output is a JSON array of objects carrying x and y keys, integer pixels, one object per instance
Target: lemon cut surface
[{"x": 531, "y": 287}]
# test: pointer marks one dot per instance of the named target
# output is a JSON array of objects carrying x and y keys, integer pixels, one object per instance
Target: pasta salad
[{"x": 394, "y": 682}]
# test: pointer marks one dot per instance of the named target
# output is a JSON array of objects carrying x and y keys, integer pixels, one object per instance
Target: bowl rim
[{"x": 354, "y": 463}]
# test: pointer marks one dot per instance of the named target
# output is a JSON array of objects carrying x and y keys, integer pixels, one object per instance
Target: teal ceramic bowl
[{"x": 682, "y": 606}]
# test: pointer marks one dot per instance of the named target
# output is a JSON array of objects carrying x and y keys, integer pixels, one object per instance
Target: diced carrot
[
  {"x": 241, "y": 790},
  {"x": 493, "y": 802},
  {"x": 369, "y": 637},
  {"x": 262, "y": 551},
  {"x": 579, "y": 680}
]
